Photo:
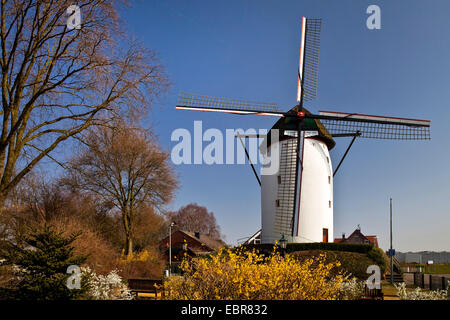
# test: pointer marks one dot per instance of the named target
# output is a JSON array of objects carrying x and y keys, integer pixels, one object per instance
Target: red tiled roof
[
  {"x": 213, "y": 244},
  {"x": 373, "y": 240}
]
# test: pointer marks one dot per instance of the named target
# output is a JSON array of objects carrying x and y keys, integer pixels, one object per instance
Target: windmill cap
[{"x": 291, "y": 124}]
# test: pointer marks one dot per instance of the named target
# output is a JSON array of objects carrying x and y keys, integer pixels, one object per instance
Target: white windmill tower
[{"x": 297, "y": 198}]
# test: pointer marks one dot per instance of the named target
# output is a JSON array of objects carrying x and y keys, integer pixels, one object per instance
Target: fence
[
  {"x": 374, "y": 294},
  {"x": 409, "y": 269},
  {"x": 431, "y": 282}
]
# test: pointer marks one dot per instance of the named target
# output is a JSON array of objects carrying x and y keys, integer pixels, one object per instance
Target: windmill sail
[
  {"x": 284, "y": 212},
  {"x": 307, "y": 90},
  {"x": 308, "y": 69},
  {"x": 195, "y": 102},
  {"x": 375, "y": 127}
]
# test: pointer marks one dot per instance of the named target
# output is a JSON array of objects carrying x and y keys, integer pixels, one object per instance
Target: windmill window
[
  {"x": 277, "y": 203},
  {"x": 329, "y": 204},
  {"x": 328, "y": 160},
  {"x": 279, "y": 179},
  {"x": 329, "y": 179}
]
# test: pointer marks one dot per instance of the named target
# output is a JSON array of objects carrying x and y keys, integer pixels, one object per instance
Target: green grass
[
  {"x": 438, "y": 268},
  {"x": 388, "y": 289}
]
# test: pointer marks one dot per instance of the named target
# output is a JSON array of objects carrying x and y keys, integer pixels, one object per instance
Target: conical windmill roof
[{"x": 291, "y": 124}]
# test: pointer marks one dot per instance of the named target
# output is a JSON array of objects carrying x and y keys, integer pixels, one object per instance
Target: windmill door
[{"x": 325, "y": 235}]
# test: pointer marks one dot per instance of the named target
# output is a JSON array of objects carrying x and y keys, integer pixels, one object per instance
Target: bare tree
[
  {"x": 125, "y": 167},
  {"x": 148, "y": 229},
  {"x": 195, "y": 218},
  {"x": 58, "y": 79}
]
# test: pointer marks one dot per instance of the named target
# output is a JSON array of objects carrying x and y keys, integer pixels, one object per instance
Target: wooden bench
[
  {"x": 149, "y": 286},
  {"x": 373, "y": 294}
]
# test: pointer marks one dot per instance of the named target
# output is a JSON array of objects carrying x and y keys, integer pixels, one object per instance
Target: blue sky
[{"x": 249, "y": 50}]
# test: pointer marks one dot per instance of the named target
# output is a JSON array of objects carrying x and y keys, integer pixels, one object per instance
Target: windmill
[{"x": 297, "y": 200}]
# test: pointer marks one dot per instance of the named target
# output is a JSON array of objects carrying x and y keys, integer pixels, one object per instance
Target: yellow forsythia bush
[
  {"x": 247, "y": 275},
  {"x": 144, "y": 264}
]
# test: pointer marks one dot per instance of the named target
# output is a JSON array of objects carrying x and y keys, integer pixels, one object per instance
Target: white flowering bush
[
  {"x": 352, "y": 289},
  {"x": 108, "y": 287},
  {"x": 419, "y": 294}
]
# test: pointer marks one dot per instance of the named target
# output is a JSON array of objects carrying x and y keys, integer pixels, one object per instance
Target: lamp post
[
  {"x": 391, "y": 253},
  {"x": 283, "y": 243},
  {"x": 185, "y": 245},
  {"x": 170, "y": 247}
]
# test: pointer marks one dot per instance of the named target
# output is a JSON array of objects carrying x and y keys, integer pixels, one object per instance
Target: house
[
  {"x": 254, "y": 239},
  {"x": 192, "y": 244},
  {"x": 358, "y": 237}
]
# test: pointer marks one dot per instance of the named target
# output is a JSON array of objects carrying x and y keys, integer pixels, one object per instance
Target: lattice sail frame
[
  {"x": 376, "y": 127},
  {"x": 284, "y": 211},
  {"x": 311, "y": 59},
  {"x": 208, "y": 102}
]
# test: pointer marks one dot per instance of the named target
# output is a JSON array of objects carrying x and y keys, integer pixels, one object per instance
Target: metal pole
[
  {"x": 346, "y": 151},
  {"x": 250, "y": 160},
  {"x": 392, "y": 267},
  {"x": 170, "y": 249}
]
